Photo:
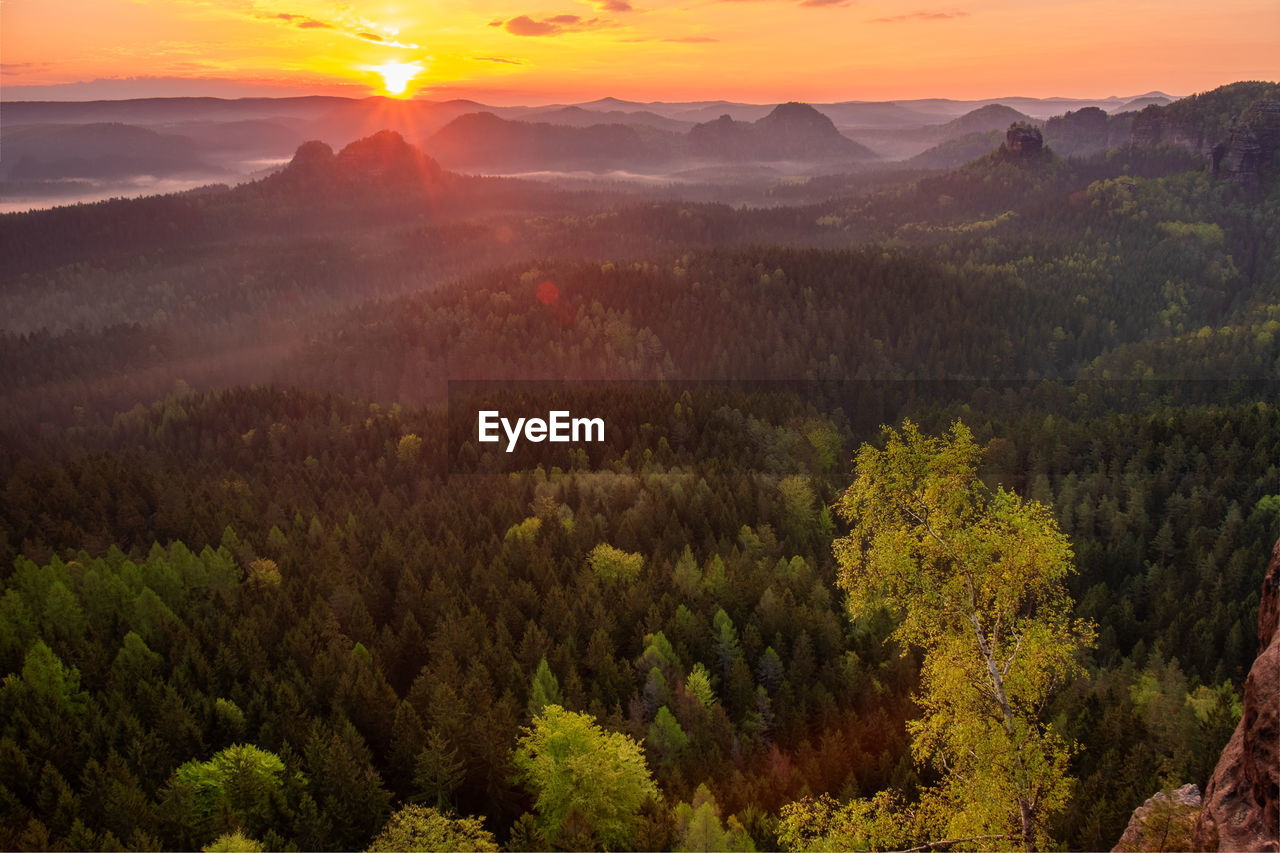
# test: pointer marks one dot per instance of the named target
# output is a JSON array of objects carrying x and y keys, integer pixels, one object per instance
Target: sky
[{"x": 564, "y": 51}]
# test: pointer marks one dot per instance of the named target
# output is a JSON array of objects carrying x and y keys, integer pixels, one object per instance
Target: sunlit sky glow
[{"x": 543, "y": 51}]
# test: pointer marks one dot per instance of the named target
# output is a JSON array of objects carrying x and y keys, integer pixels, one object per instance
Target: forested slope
[{"x": 233, "y": 513}]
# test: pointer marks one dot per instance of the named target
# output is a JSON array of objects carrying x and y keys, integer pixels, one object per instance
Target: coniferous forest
[{"x": 261, "y": 587}]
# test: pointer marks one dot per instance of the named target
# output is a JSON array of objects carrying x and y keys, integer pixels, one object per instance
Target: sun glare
[{"x": 396, "y": 76}]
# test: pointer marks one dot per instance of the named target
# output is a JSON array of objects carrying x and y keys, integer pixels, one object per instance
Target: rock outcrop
[
  {"x": 1163, "y": 822},
  {"x": 1023, "y": 140},
  {"x": 1252, "y": 145},
  {"x": 1152, "y": 126},
  {"x": 1235, "y": 127},
  {"x": 1242, "y": 801}
]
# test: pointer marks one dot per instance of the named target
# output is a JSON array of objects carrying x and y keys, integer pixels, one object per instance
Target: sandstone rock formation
[
  {"x": 1242, "y": 801},
  {"x": 1023, "y": 139},
  {"x": 1153, "y": 127},
  {"x": 1163, "y": 822},
  {"x": 1252, "y": 145}
]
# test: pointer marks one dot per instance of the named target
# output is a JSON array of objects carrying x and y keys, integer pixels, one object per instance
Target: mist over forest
[{"x": 262, "y": 587}]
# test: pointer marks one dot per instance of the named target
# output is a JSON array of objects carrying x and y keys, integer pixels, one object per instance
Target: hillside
[
  {"x": 263, "y": 583},
  {"x": 51, "y": 152},
  {"x": 486, "y": 142}
]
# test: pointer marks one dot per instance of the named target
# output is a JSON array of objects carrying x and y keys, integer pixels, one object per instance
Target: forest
[{"x": 260, "y": 589}]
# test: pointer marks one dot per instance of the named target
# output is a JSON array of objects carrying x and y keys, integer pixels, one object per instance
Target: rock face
[
  {"x": 1164, "y": 822},
  {"x": 1153, "y": 127},
  {"x": 1087, "y": 131},
  {"x": 1252, "y": 144},
  {"x": 1242, "y": 801},
  {"x": 1023, "y": 140}
]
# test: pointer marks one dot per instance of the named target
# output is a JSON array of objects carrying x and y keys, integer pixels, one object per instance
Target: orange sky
[{"x": 531, "y": 51}]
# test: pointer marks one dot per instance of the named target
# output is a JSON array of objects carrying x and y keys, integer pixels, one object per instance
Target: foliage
[
  {"x": 414, "y": 828},
  {"x": 698, "y": 826},
  {"x": 240, "y": 786},
  {"x": 545, "y": 689},
  {"x": 234, "y": 842},
  {"x": 613, "y": 565},
  {"x": 977, "y": 581},
  {"x": 583, "y": 778}
]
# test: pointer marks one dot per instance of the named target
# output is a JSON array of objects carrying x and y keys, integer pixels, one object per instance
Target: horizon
[{"x": 422, "y": 98}]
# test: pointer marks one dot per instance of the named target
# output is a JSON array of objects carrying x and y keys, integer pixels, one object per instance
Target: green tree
[
  {"x": 698, "y": 685},
  {"x": 698, "y": 826},
  {"x": 545, "y": 689},
  {"x": 415, "y": 828},
  {"x": 666, "y": 738},
  {"x": 234, "y": 842},
  {"x": 437, "y": 770},
  {"x": 585, "y": 781},
  {"x": 239, "y": 788},
  {"x": 977, "y": 580},
  {"x": 613, "y": 565}
]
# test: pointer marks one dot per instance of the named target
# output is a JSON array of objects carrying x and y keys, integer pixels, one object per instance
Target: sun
[{"x": 396, "y": 76}]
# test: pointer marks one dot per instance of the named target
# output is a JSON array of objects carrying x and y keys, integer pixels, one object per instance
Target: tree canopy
[
  {"x": 586, "y": 782},
  {"x": 976, "y": 578}
]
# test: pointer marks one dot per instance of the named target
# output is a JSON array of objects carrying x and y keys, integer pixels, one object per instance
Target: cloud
[
  {"x": 523, "y": 25},
  {"x": 498, "y": 59},
  {"x": 348, "y": 26},
  {"x": 917, "y": 16},
  {"x": 693, "y": 40},
  {"x": 302, "y": 22},
  {"x": 614, "y": 6},
  {"x": 16, "y": 69}
]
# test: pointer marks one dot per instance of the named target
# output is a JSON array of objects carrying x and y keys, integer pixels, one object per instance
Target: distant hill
[
  {"x": 244, "y": 137},
  {"x": 1154, "y": 100},
  {"x": 382, "y": 161},
  {"x": 791, "y": 131},
  {"x": 97, "y": 151},
  {"x": 485, "y": 141},
  {"x": 885, "y": 114},
  {"x": 152, "y": 111},
  {"x": 580, "y": 117},
  {"x": 987, "y": 118},
  {"x": 957, "y": 151},
  {"x": 907, "y": 143}
]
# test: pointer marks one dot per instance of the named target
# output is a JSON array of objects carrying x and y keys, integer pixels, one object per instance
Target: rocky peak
[
  {"x": 1242, "y": 801},
  {"x": 1023, "y": 140}
]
